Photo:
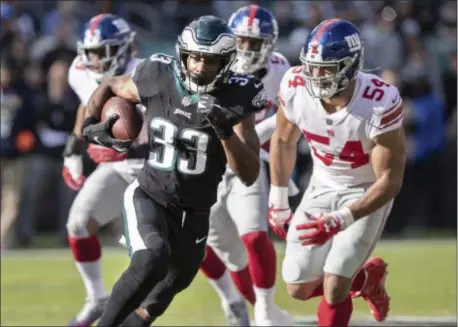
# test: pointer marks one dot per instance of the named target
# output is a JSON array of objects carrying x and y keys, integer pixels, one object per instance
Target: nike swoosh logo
[
  {"x": 96, "y": 139},
  {"x": 257, "y": 85},
  {"x": 200, "y": 240}
]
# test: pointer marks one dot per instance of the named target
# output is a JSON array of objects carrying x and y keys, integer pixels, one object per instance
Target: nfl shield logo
[{"x": 186, "y": 101}]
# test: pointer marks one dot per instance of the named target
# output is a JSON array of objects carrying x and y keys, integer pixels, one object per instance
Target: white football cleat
[
  {"x": 236, "y": 313},
  {"x": 272, "y": 316},
  {"x": 91, "y": 311}
]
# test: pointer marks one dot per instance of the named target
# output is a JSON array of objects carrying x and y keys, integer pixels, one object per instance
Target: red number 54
[
  {"x": 376, "y": 93},
  {"x": 352, "y": 151}
]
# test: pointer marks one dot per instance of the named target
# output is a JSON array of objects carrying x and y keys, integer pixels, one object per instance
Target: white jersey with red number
[
  {"x": 341, "y": 142},
  {"x": 83, "y": 86},
  {"x": 277, "y": 66}
]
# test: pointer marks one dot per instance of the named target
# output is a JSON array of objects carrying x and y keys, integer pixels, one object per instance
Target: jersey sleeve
[
  {"x": 286, "y": 95},
  {"x": 150, "y": 73},
  {"x": 279, "y": 65},
  {"x": 80, "y": 82},
  {"x": 266, "y": 128},
  {"x": 252, "y": 93},
  {"x": 388, "y": 116}
]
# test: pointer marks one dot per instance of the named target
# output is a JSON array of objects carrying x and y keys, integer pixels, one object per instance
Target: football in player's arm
[{"x": 241, "y": 143}]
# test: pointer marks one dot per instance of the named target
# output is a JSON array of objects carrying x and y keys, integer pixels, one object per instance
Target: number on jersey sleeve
[
  {"x": 288, "y": 86},
  {"x": 352, "y": 151},
  {"x": 387, "y": 110},
  {"x": 376, "y": 90},
  {"x": 149, "y": 75}
]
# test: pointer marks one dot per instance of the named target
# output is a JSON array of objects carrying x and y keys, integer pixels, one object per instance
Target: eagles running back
[{"x": 181, "y": 140}]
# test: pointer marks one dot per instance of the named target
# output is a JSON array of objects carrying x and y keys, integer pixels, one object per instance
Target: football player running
[
  {"x": 104, "y": 51},
  {"x": 238, "y": 236},
  {"x": 353, "y": 124},
  {"x": 200, "y": 117}
]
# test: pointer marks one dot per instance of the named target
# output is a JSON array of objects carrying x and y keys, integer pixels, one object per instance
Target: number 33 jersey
[
  {"x": 187, "y": 160},
  {"x": 341, "y": 142}
]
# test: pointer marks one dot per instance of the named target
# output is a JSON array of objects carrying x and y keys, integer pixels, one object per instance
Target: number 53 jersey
[
  {"x": 341, "y": 142},
  {"x": 187, "y": 160}
]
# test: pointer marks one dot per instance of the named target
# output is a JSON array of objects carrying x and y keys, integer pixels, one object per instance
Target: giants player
[
  {"x": 238, "y": 225},
  {"x": 106, "y": 50},
  {"x": 353, "y": 123}
]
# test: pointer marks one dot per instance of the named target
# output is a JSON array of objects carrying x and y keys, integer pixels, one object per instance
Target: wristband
[
  {"x": 278, "y": 196},
  {"x": 346, "y": 217}
]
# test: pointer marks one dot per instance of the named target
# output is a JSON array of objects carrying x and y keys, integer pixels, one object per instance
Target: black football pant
[{"x": 166, "y": 247}]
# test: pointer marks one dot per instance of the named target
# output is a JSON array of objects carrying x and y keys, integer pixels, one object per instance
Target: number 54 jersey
[
  {"x": 341, "y": 142},
  {"x": 187, "y": 160}
]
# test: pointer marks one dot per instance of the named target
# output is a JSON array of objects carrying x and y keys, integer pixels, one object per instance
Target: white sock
[
  {"x": 91, "y": 273},
  {"x": 264, "y": 296},
  {"x": 226, "y": 289}
]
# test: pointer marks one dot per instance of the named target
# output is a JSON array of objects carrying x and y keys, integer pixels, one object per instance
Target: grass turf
[{"x": 43, "y": 287}]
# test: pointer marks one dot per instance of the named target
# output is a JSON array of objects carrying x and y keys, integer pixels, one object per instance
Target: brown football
[{"x": 130, "y": 121}]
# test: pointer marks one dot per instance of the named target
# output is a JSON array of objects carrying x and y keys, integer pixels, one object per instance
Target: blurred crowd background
[{"x": 412, "y": 44}]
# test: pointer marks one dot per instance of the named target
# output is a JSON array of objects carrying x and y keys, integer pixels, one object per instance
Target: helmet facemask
[
  {"x": 256, "y": 56},
  {"x": 328, "y": 85},
  {"x": 210, "y": 79},
  {"x": 112, "y": 57}
]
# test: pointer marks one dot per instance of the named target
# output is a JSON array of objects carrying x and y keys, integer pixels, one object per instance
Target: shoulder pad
[
  {"x": 280, "y": 61},
  {"x": 149, "y": 74},
  {"x": 387, "y": 113},
  {"x": 289, "y": 83}
]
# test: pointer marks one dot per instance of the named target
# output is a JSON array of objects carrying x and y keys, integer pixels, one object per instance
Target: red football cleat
[{"x": 374, "y": 291}]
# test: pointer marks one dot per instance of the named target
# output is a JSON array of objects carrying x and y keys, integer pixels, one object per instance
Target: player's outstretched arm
[
  {"x": 122, "y": 86},
  {"x": 242, "y": 151},
  {"x": 283, "y": 150},
  {"x": 80, "y": 115},
  {"x": 388, "y": 161}
]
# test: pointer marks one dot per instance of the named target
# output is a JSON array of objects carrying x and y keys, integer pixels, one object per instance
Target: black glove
[
  {"x": 216, "y": 115},
  {"x": 74, "y": 145},
  {"x": 99, "y": 133}
]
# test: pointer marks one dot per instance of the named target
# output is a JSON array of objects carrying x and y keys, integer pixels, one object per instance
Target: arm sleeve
[
  {"x": 286, "y": 95},
  {"x": 80, "y": 82},
  {"x": 266, "y": 128}
]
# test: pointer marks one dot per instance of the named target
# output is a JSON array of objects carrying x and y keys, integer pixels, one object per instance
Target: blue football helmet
[
  {"x": 335, "y": 45},
  {"x": 108, "y": 37},
  {"x": 256, "y": 23}
]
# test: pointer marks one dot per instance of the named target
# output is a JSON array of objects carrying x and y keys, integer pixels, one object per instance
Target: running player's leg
[
  {"x": 146, "y": 232},
  {"x": 248, "y": 207},
  {"x": 97, "y": 203},
  {"x": 224, "y": 235},
  {"x": 187, "y": 234},
  {"x": 346, "y": 267},
  {"x": 336, "y": 262}
]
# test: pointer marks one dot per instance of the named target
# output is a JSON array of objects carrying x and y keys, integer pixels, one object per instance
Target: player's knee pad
[
  {"x": 235, "y": 258},
  {"x": 149, "y": 264},
  {"x": 77, "y": 225}
]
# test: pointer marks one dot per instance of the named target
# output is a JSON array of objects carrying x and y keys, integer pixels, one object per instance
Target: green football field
[{"x": 42, "y": 287}]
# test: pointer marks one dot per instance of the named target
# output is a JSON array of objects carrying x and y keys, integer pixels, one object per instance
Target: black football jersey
[{"x": 187, "y": 160}]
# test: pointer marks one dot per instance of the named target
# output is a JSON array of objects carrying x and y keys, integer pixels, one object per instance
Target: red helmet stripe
[
  {"x": 95, "y": 22},
  {"x": 253, "y": 11},
  {"x": 323, "y": 27}
]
